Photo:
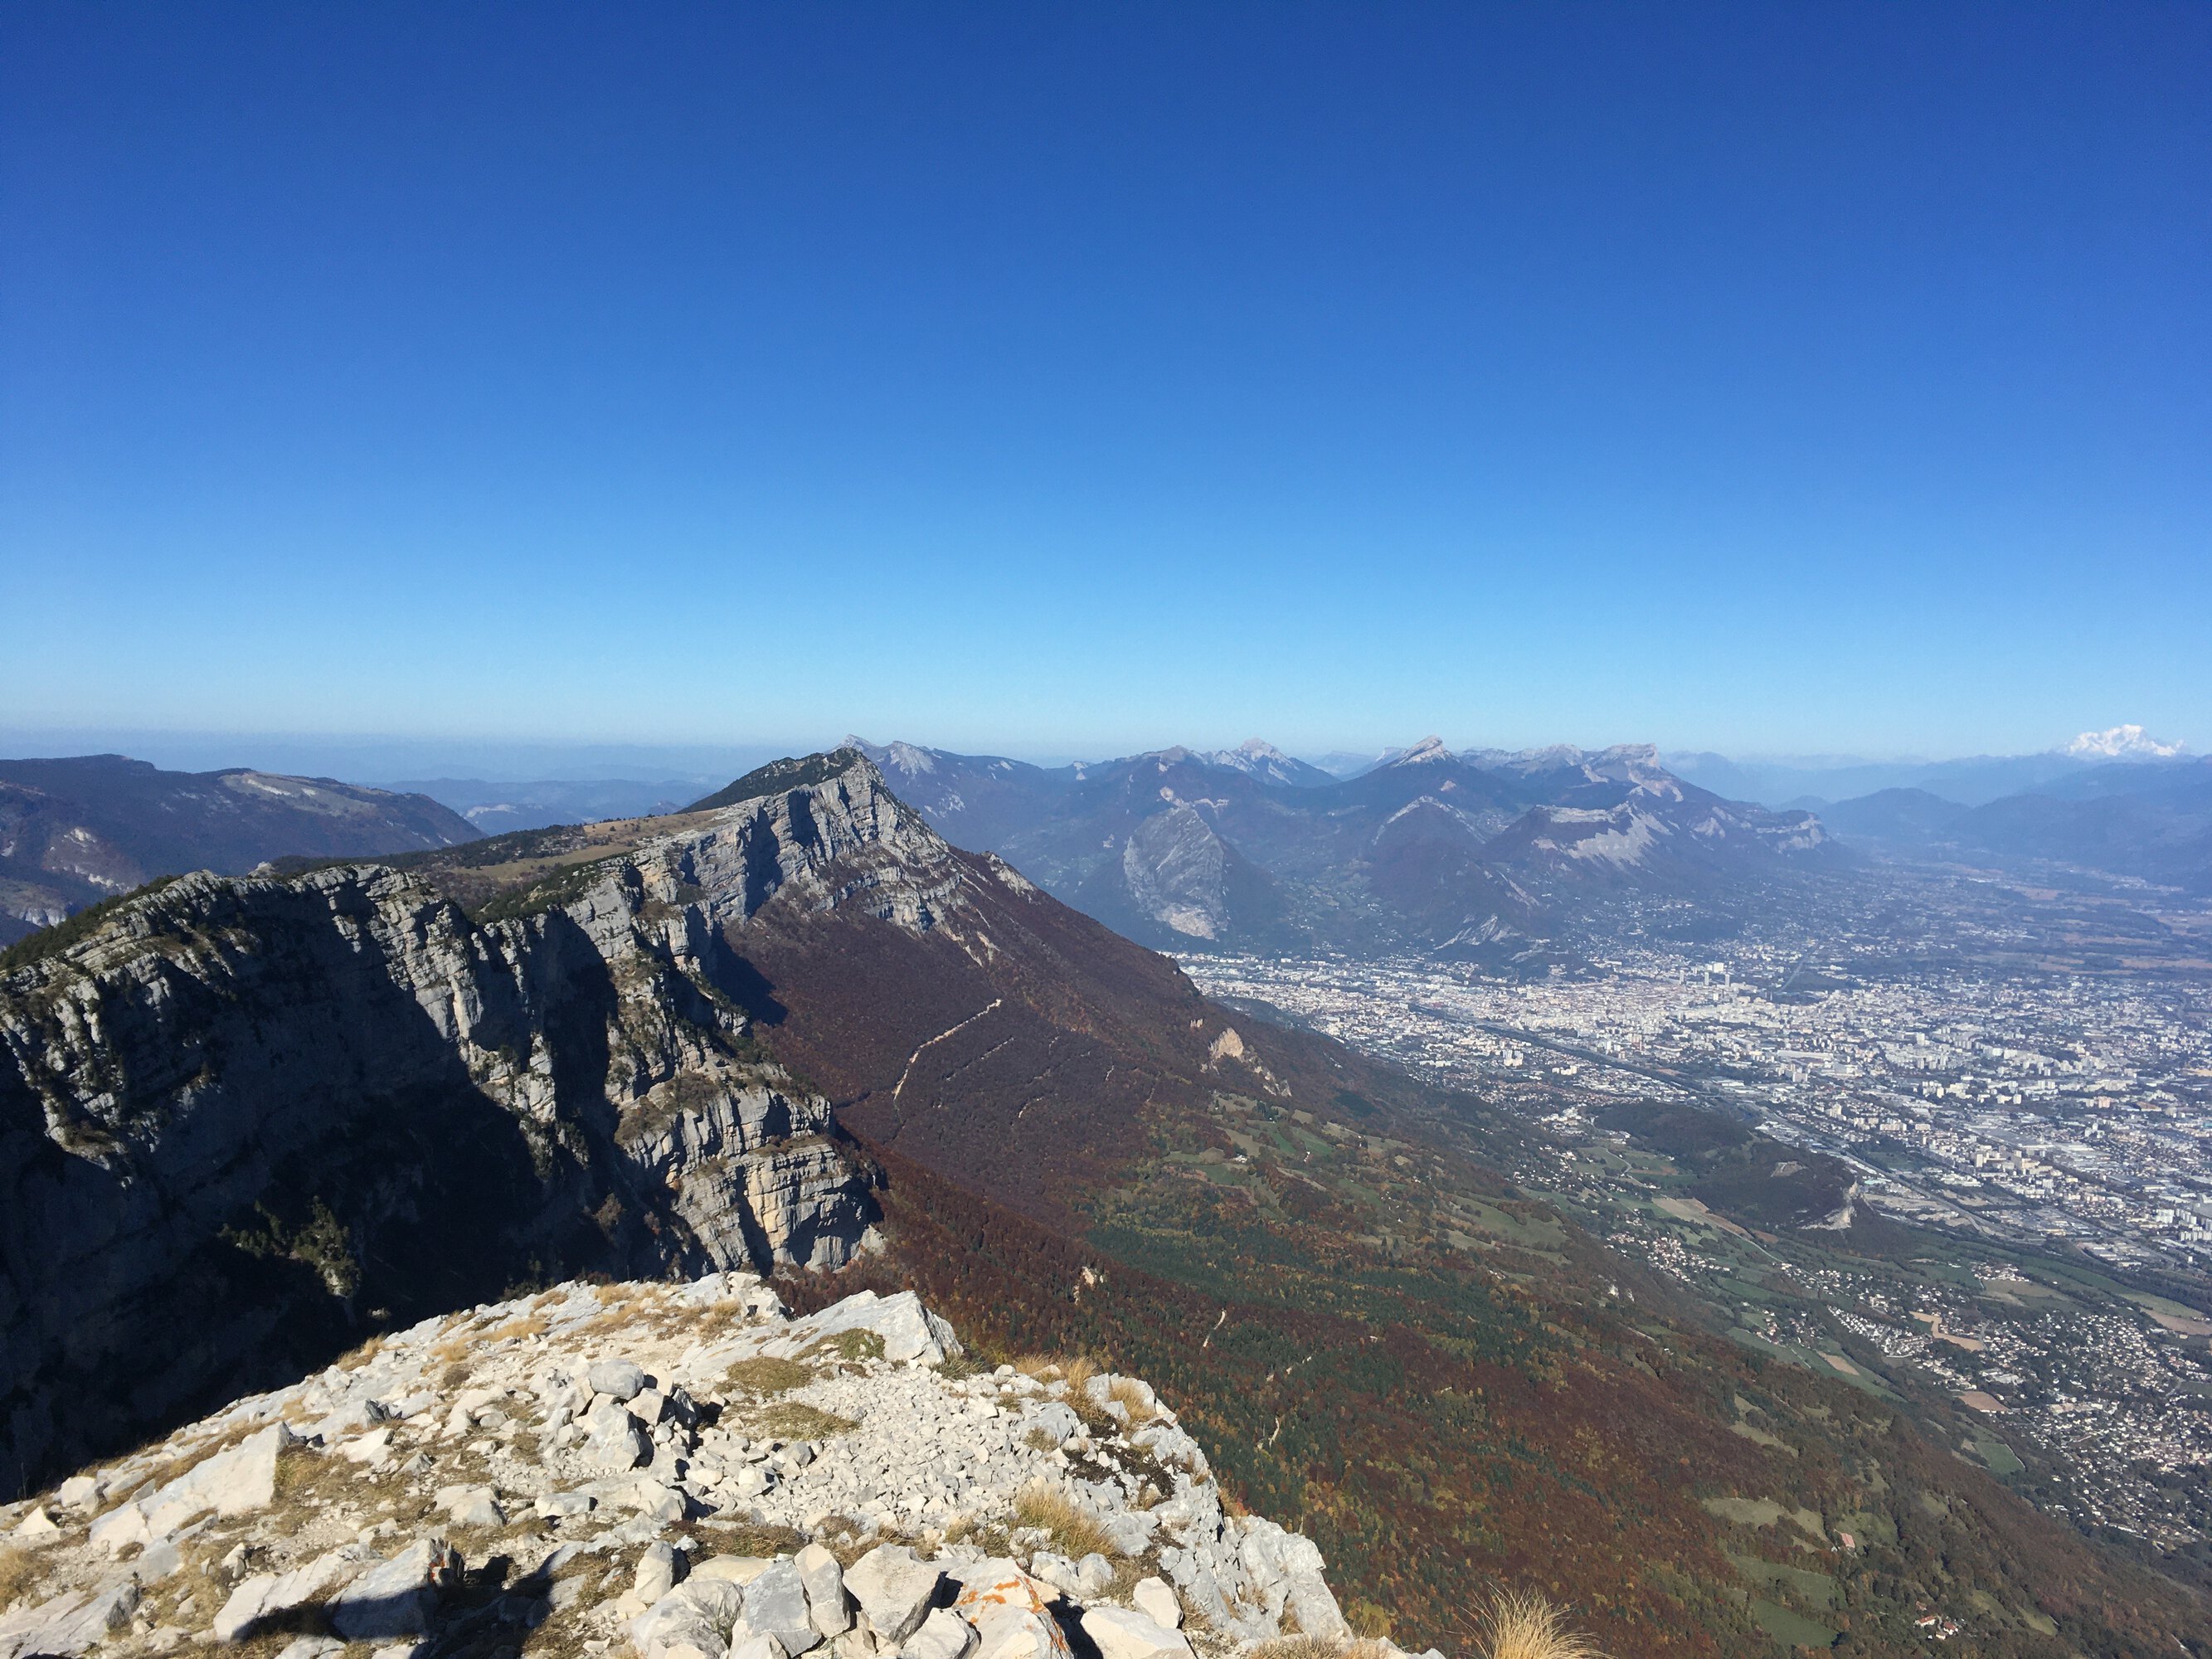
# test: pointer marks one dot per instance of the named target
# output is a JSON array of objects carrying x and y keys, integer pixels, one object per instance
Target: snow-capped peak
[
  {"x": 1260, "y": 749},
  {"x": 2120, "y": 743}
]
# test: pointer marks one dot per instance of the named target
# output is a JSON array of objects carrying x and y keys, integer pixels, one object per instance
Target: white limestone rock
[
  {"x": 943, "y": 1635},
  {"x": 396, "y": 1597},
  {"x": 1124, "y": 1634},
  {"x": 1156, "y": 1601},
  {"x": 894, "y": 1590},
  {"x": 265, "y": 1596},
  {"x": 775, "y": 1605},
  {"x": 620, "y": 1380},
  {"x": 823, "y": 1581}
]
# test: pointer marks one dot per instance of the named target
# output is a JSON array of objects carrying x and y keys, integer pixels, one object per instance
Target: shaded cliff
[{"x": 243, "y": 1116}]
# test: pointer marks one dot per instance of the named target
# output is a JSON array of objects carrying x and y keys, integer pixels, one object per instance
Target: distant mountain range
[
  {"x": 2149, "y": 822},
  {"x": 1973, "y": 781},
  {"x": 74, "y": 831},
  {"x": 1466, "y": 853}
]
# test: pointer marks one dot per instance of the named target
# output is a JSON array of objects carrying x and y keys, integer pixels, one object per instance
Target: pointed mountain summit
[{"x": 1480, "y": 851}]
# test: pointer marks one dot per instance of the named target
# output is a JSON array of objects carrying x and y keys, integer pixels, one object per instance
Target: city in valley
[{"x": 2010, "y": 1088}]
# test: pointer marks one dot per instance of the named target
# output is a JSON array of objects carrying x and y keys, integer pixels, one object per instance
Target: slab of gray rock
[
  {"x": 69, "y": 1624},
  {"x": 696, "y": 1620},
  {"x": 910, "y": 1332},
  {"x": 944, "y": 1634},
  {"x": 266, "y": 1595},
  {"x": 1156, "y": 1599},
  {"x": 471, "y": 1506},
  {"x": 893, "y": 1590},
  {"x": 616, "y": 1440},
  {"x": 1124, "y": 1633},
  {"x": 656, "y": 1573},
  {"x": 398, "y": 1597},
  {"x": 775, "y": 1605},
  {"x": 823, "y": 1580}
]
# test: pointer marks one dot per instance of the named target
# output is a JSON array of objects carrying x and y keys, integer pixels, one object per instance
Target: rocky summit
[{"x": 675, "y": 1470}]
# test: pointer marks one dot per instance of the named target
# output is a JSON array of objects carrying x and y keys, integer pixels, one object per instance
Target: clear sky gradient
[{"x": 1077, "y": 379}]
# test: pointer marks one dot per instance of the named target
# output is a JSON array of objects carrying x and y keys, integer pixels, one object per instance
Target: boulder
[
  {"x": 823, "y": 1580},
  {"x": 1011, "y": 1615},
  {"x": 1124, "y": 1633},
  {"x": 656, "y": 1573},
  {"x": 944, "y": 1634},
  {"x": 231, "y": 1483},
  {"x": 39, "y": 1525},
  {"x": 775, "y": 1605},
  {"x": 267, "y": 1595},
  {"x": 80, "y": 1492},
  {"x": 617, "y": 1379},
  {"x": 471, "y": 1506},
  {"x": 893, "y": 1590},
  {"x": 397, "y": 1597},
  {"x": 756, "y": 1646},
  {"x": 1156, "y": 1601},
  {"x": 910, "y": 1332},
  {"x": 696, "y": 1618},
  {"x": 1058, "y": 1420},
  {"x": 370, "y": 1448},
  {"x": 1086, "y": 1580},
  {"x": 615, "y": 1440},
  {"x": 651, "y": 1497}
]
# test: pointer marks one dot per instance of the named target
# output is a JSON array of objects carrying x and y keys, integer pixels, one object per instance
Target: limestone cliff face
[{"x": 245, "y": 1111}]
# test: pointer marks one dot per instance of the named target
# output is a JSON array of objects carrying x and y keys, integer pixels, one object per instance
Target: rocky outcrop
[
  {"x": 246, "y": 1112},
  {"x": 668, "y": 1472}
]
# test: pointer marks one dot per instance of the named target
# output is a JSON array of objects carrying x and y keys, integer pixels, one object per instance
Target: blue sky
[{"x": 1074, "y": 379}]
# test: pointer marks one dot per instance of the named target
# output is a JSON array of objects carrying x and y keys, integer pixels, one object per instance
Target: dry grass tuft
[
  {"x": 296, "y": 1469},
  {"x": 788, "y": 1420},
  {"x": 528, "y": 1325},
  {"x": 354, "y": 1358},
  {"x": 1127, "y": 1391},
  {"x": 1078, "y": 1372},
  {"x": 18, "y": 1573},
  {"x": 763, "y": 1375},
  {"x": 1521, "y": 1624},
  {"x": 1075, "y": 1531},
  {"x": 763, "y": 1539},
  {"x": 850, "y": 1345}
]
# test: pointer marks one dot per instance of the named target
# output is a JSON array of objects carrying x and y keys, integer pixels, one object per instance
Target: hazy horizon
[{"x": 385, "y": 757}]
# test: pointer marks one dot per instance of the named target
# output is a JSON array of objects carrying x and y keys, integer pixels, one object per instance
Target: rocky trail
[{"x": 666, "y": 1471}]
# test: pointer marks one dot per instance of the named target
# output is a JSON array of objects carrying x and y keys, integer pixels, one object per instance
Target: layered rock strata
[{"x": 246, "y": 1112}]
